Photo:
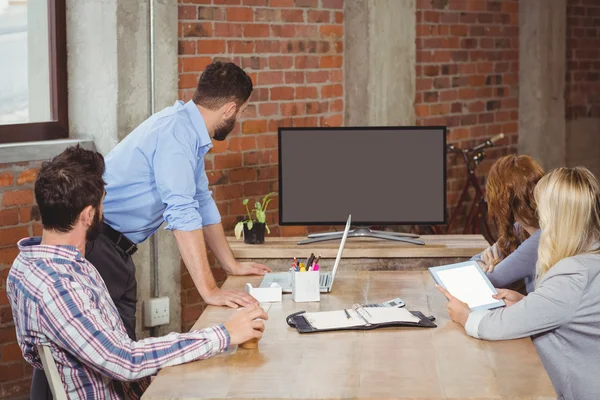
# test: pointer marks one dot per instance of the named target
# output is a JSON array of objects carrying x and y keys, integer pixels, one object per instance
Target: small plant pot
[{"x": 256, "y": 235}]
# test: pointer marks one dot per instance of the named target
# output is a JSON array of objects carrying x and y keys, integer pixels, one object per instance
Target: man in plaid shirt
[{"x": 59, "y": 300}]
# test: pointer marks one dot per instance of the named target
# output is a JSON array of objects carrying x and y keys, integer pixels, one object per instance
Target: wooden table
[
  {"x": 394, "y": 363},
  {"x": 362, "y": 254}
]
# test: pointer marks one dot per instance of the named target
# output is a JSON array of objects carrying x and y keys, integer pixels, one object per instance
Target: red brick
[
  {"x": 267, "y": 141},
  {"x": 294, "y": 77},
  {"x": 337, "y": 4},
  {"x": 256, "y": 188},
  {"x": 240, "y": 47},
  {"x": 307, "y": 3},
  {"x": 203, "y": 29},
  {"x": 191, "y": 313},
  {"x": 307, "y": 31},
  {"x": 9, "y": 217},
  {"x": 254, "y": 63},
  {"x": 283, "y": 31},
  {"x": 319, "y": 16},
  {"x": 211, "y": 13},
  {"x": 331, "y": 62},
  {"x": 292, "y": 15},
  {"x": 242, "y": 175},
  {"x": 242, "y": 143},
  {"x": 317, "y": 76},
  {"x": 228, "y": 192},
  {"x": 11, "y": 352},
  {"x": 292, "y": 231},
  {"x": 256, "y": 158},
  {"x": 187, "y": 47},
  {"x": 256, "y": 30},
  {"x": 339, "y": 17},
  {"x": 282, "y": 93},
  {"x": 329, "y": 91},
  {"x": 281, "y": 62},
  {"x": 336, "y": 106},
  {"x": 36, "y": 229},
  {"x": 228, "y": 30},
  {"x": 227, "y": 2},
  {"x": 335, "y": 120},
  {"x": 6, "y": 179},
  {"x": 270, "y": 78},
  {"x": 195, "y": 64},
  {"x": 307, "y": 62},
  {"x": 267, "y": 14},
  {"x": 187, "y": 12},
  {"x": 206, "y": 46},
  {"x": 216, "y": 178},
  {"x": 307, "y": 92},
  {"x": 227, "y": 161},
  {"x": 8, "y": 255},
  {"x": 10, "y": 236},
  {"x": 255, "y": 2},
  {"x": 282, "y": 3},
  {"x": 18, "y": 198},
  {"x": 268, "y": 109},
  {"x": 292, "y": 109},
  {"x": 332, "y": 30},
  {"x": 240, "y": 14},
  {"x": 187, "y": 81},
  {"x": 267, "y": 46},
  {"x": 255, "y": 126}
]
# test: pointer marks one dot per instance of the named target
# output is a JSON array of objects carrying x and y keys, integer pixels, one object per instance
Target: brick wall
[
  {"x": 582, "y": 81},
  {"x": 467, "y": 77},
  {"x": 18, "y": 218},
  {"x": 293, "y": 51}
]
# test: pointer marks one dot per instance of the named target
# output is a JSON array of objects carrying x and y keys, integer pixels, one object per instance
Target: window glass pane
[{"x": 24, "y": 62}]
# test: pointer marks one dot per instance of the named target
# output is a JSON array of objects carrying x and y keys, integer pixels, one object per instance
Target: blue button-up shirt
[{"x": 157, "y": 173}]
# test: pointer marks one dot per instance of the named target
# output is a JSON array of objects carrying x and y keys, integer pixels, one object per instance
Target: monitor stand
[{"x": 364, "y": 232}]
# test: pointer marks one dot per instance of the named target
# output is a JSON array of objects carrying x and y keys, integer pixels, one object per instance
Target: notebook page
[
  {"x": 384, "y": 315},
  {"x": 333, "y": 319},
  {"x": 467, "y": 285}
]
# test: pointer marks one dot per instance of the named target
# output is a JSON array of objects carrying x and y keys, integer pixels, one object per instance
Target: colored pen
[
  {"x": 302, "y": 267},
  {"x": 315, "y": 267},
  {"x": 310, "y": 259},
  {"x": 317, "y": 260}
]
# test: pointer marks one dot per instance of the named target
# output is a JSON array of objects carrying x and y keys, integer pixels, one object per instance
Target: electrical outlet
[{"x": 156, "y": 312}]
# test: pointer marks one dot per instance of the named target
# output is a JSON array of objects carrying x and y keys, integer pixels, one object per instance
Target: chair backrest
[{"x": 56, "y": 386}]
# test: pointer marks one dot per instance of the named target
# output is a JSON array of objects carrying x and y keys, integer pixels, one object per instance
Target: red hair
[{"x": 509, "y": 193}]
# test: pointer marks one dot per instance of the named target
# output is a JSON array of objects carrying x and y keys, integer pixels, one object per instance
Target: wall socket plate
[{"x": 156, "y": 312}]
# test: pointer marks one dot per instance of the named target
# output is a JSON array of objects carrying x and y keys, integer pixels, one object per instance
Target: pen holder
[{"x": 305, "y": 286}]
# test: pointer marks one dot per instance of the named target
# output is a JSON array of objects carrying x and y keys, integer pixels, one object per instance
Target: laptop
[{"x": 284, "y": 279}]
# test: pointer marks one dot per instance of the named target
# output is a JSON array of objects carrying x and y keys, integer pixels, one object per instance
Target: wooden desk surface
[
  {"x": 435, "y": 246},
  {"x": 398, "y": 363}
]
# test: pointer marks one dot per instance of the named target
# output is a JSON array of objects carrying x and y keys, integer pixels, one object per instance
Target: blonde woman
[{"x": 562, "y": 314}]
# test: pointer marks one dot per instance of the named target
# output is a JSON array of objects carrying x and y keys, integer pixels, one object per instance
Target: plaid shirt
[{"x": 59, "y": 300}]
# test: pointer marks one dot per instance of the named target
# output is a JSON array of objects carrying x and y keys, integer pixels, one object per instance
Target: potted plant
[{"x": 254, "y": 227}]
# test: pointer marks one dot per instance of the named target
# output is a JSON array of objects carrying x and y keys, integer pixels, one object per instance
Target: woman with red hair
[{"x": 509, "y": 194}]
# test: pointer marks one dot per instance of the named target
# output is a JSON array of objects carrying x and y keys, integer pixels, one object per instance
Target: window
[{"x": 33, "y": 70}]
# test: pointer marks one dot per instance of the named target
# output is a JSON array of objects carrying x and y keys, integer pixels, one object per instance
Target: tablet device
[{"x": 468, "y": 283}]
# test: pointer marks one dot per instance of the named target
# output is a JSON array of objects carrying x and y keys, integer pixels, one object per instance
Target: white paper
[
  {"x": 334, "y": 319},
  {"x": 384, "y": 315},
  {"x": 467, "y": 285}
]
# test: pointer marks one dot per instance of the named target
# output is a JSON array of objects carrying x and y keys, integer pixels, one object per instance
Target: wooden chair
[{"x": 56, "y": 386}]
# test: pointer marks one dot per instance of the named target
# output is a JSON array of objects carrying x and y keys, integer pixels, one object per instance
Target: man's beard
[
  {"x": 94, "y": 229},
  {"x": 225, "y": 129}
]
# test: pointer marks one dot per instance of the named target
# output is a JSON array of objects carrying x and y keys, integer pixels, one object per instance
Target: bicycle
[{"x": 477, "y": 221}]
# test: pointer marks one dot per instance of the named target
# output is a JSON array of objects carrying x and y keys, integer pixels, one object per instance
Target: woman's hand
[
  {"x": 510, "y": 297},
  {"x": 458, "y": 311},
  {"x": 490, "y": 258}
]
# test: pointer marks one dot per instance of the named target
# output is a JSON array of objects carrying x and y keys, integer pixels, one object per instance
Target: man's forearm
[
  {"x": 217, "y": 242},
  {"x": 193, "y": 251}
]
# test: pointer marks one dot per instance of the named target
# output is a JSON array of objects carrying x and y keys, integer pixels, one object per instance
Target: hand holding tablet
[{"x": 467, "y": 283}]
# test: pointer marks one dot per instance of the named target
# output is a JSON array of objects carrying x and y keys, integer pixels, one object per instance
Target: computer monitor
[{"x": 380, "y": 175}]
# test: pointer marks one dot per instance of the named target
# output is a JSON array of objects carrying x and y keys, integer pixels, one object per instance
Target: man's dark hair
[
  {"x": 221, "y": 83},
  {"x": 68, "y": 184}
]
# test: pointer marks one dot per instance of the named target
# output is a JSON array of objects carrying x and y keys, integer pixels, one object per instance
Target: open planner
[{"x": 358, "y": 318}]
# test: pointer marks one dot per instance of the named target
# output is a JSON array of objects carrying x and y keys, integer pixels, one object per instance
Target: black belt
[{"x": 119, "y": 239}]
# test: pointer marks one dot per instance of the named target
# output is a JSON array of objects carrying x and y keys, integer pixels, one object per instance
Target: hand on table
[
  {"x": 246, "y": 324},
  {"x": 249, "y": 268},
  {"x": 458, "y": 311},
  {"x": 229, "y": 298}
]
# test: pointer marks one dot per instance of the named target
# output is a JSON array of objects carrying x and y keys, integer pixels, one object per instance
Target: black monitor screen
[{"x": 382, "y": 176}]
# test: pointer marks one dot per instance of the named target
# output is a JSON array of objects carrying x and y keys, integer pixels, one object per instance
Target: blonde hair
[{"x": 568, "y": 204}]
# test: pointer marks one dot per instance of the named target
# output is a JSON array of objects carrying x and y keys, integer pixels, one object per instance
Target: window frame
[{"x": 58, "y": 127}]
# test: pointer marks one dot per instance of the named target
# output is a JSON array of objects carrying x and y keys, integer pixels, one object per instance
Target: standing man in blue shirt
[{"x": 155, "y": 175}]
